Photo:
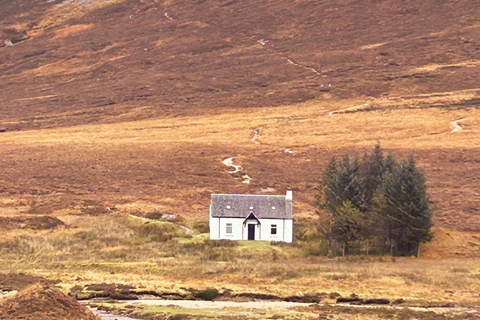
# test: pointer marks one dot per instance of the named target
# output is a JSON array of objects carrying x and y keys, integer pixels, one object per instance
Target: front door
[{"x": 251, "y": 231}]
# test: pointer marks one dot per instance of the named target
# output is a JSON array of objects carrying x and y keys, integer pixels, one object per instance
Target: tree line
[{"x": 377, "y": 201}]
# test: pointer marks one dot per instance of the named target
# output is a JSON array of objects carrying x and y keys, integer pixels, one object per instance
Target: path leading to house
[
  {"x": 229, "y": 163},
  {"x": 455, "y": 126}
]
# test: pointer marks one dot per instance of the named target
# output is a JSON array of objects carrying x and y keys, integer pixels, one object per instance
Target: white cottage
[{"x": 251, "y": 217}]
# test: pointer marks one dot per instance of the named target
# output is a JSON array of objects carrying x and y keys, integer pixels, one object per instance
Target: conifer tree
[
  {"x": 327, "y": 197},
  {"x": 406, "y": 208},
  {"x": 377, "y": 200},
  {"x": 372, "y": 172},
  {"x": 350, "y": 184},
  {"x": 341, "y": 195},
  {"x": 348, "y": 224}
]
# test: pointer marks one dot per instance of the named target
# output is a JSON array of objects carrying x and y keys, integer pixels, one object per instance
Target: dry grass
[
  {"x": 67, "y": 10},
  {"x": 117, "y": 249},
  {"x": 175, "y": 163},
  {"x": 69, "y": 30}
]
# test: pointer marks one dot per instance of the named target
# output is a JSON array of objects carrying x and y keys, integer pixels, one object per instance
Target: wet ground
[
  {"x": 471, "y": 313},
  {"x": 107, "y": 316}
]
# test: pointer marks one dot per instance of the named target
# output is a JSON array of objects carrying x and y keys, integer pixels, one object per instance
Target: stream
[
  {"x": 107, "y": 316},
  {"x": 267, "y": 304},
  {"x": 200, "y": 304}
]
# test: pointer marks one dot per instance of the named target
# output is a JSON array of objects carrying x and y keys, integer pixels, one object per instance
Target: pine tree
[
  {"x": 372, "y": 168},
  {"x": 406, "y": 208},
  {"x": 327, "y": 197},
  {"x": 350, "y": 184},
  {"x": 348, "y": 224},
  {"x": 341, "y": 195},
  {"x": 390, "y": 164},
  {"x": 377, "y": 200}
]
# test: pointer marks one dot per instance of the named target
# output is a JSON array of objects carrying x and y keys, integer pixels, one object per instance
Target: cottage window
[
  {"x": 229, "y": 228},
  {"x": 273, "y": 229}
]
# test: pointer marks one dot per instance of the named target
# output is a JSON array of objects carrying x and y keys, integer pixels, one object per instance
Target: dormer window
[
  {"x": 228, "y": 207},
  {"x": 251, "y": 207}
]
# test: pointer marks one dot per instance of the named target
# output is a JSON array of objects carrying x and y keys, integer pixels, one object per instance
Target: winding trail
[
  {"x": 229, "y": 163},
  {"x": 455, "y": 126},
  {"x": 256, "y": 134},
  {"x": 302, "y": 66}
]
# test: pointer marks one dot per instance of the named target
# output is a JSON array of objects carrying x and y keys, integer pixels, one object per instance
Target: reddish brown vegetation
[
  {"x": 177, "y": 57},
  {"x": 25, "y": 222}
]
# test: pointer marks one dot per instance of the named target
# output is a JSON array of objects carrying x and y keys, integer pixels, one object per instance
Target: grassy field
[
  {"x": 158, "y": 256},
  {"x": 174, "y": 164},
  {"x": 96, "y": 178}
]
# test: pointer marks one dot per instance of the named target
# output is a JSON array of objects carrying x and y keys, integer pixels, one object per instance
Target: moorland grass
[{"x": 113, "y": 251}]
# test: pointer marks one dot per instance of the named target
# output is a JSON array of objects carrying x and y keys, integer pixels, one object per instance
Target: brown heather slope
[
  {"x": 198, "y": 77},
  {"x": 96, "y": 60},
  {"x": 174, "y": 164}
]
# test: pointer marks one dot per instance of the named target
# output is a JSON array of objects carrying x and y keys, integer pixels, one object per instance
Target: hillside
[
  {"x": 133, "y": 105},
  {"x": 82, "y": 61}
]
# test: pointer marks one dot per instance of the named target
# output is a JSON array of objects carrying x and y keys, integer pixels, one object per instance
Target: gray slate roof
[{"x": 240, "y": 205}]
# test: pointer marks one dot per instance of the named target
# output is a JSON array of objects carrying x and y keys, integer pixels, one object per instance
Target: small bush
[
  {"x": 202, "y": 226},
  {"x": 158, "y": 232},
  {"x": 155, "y": 215},
  {"x": 314, "y": 248},
  {"x": 223, "y": 243},
  {"x": 219, "y": 254},
  {"x": 280, "y": 244}
]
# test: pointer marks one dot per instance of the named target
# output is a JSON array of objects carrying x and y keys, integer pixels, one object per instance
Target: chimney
[{"x": 289, "y": 195}]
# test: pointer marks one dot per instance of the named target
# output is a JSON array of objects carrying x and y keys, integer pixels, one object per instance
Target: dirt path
[
  {"x": 256, "y": 134},
  {"x": 455, "y": 126},
  {"x": 229, "y": 163},
  {"x": 302, "y": 66}
]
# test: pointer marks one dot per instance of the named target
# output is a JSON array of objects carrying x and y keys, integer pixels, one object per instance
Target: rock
[
  {"x": 169, "y": 217},
  {"x": 187, "y": 231},
  {"x": 8, "y": 43}
]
